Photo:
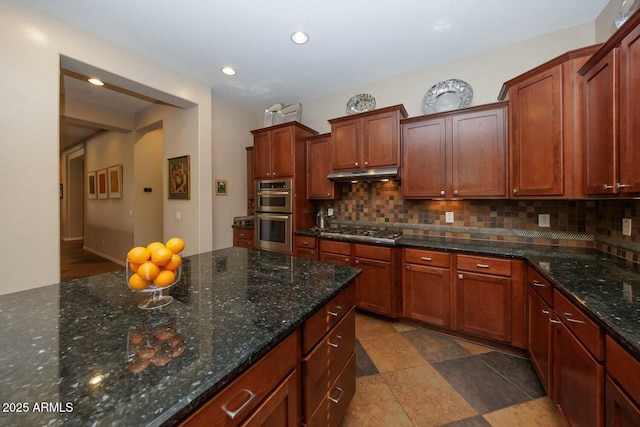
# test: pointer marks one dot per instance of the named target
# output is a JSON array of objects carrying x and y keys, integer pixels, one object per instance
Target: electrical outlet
[
  {"x": 626, "y": 226},
  {"x": 329, "y": 211},
  {"x": 544, "y": 220},
  {"x": 448, "y": 217},
  {"x": 178, "y": 215}
]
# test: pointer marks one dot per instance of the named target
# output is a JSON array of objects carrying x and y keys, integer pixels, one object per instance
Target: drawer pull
[
  {"x": 554, "y": 321},
  {"x": 607, "y": 187},
  {"x": 425, "y": 258},
  {"x": 335, "y": 345},
  {"x": 483, "y": 266},
  {"x": 539, "y": 284},
  {"x": 335, "y": 313},
  {"x": 233, "y": 414},
  {"x": 346, "y": 260},
  {"x": 573, "y": 320},
  {"x": 337, "y": 399},
  {"x": 545, "y": 311},
  {"x": 305, "y": 243}
]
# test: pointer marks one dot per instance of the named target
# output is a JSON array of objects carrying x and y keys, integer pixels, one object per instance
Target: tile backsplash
[{"x": 595, "y": 223}]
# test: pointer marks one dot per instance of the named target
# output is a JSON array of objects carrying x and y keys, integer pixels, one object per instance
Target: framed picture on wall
[
  {"x": 221, "y": 187},
  {"x": 114, "y": 181},
  {"x": 92, "y": 188},
  {"x": 179, "y": 178},
  {"x": 101, "y": 180}
]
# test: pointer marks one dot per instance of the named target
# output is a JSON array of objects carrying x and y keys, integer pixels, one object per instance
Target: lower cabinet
[
  {"x": 375, "y": 286},
  {"x": 336, "y": 252},
  {"x": 539, "y": 343},
  {"x": 622, "y": 386},
  {"x": 621, "y": 410},
  {"x": 243, "y": 237},
  {"x": 305, "y": 247}
]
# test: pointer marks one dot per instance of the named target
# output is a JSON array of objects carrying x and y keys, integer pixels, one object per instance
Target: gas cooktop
[{"x": 363, "y": 234}]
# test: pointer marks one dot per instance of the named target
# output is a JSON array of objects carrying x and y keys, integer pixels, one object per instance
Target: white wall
[
  {"x": 31, "y": 44},
  {"x": 148, "y": 212},
  {"x": 605, "y": 22}
]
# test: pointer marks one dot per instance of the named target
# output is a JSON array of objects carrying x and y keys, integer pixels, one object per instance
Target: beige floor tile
[
  {"x": 539, "y": 412},
  {"x": 367, "y": 326},
  {"x": 374, "y": 405},
  {"x": 400, "y": 327},
  {"x": 474, "y": 348},
  {"x": 427, "y": 397},
  {"x": 390, "y": 352}
]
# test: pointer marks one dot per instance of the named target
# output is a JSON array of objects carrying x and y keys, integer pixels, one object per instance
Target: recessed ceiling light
[
  {"x": 229, "y": 71},
  {"x": 299, "y": 37},
  {"x": 96, "y": 82}
]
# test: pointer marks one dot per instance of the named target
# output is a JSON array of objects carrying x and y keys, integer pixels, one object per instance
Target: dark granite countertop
[
  {"x": 606, "y": 287},
  {"x": 231, "y": 307}
]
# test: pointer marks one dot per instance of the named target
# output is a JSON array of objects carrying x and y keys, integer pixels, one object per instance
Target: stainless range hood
[{"x": 380, "y": 174}]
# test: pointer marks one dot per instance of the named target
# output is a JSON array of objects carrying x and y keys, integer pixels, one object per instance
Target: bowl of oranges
[{"x": 153, "y": 268}]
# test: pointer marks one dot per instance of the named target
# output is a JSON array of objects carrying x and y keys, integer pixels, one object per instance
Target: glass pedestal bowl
[{"x": 156, "y": 298}]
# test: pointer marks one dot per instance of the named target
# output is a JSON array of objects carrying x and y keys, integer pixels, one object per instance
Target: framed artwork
[
  {"x": 92, "y": 186},
  {"x": 101, "y": 181},
  {"x": 114, "y": 181},
  {"x": 179, "y": 178},
  {"x": 221, "y": 187}
]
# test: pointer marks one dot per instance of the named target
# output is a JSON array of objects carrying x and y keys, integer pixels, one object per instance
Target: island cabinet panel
[
  {"x": 426, "y": 294},
  {"x": 266, "y": 386},
  {"x": 375, "y": 286},
  {"x": 456, "y": 154},
  {"x": 623, "y": 368},
  {"x": 243, "y": 237},
  {"x": 318, "y": 167},
  {"x": 280, "y": 409},
  {"x": 326, "y": 318},
  {"x": 620, "y": 409}
]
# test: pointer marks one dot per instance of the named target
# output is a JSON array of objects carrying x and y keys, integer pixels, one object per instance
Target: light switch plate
[
  {"x": 544, "y": 220},
  {"x": 626, "y": 226},
  {"x": 448, "y": 217},
  {"x": 178, "y": 215}
]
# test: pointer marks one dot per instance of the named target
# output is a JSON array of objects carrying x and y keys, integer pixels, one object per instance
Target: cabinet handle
[
  {"x": 460, "y": 276},
  {"x": 442, "y": 193},
  {"x": 483, "y": 266},
  {"x": 574, "y": 320},
  {"x": 618, "y": 185},
  {"x": 305, "y": 243},
  {"x": 425, "y": 258},
  {"x": 327, "y": 194},
  {"x": 346, "y": 260},
  {"x": 539, "y": 284},
  {"x": 408, "y": 267},
  {"x": 357, "y": 262},
  {"x": 514, "y": 191},
  {"x": 545, "y": 311},
  {"x": 233, "y": 414},
  {"x": 607, "y": 187},
  {"x": 337, "y": 399},
  {"x": 335, "y": 345},
  {"x": 356, "y": 164},
  {"x": 366, "y": 163},
  {"x": 554, "y": 321},
  {"x": 335, "y": 313},
  {"x": 455, "y": 193}
]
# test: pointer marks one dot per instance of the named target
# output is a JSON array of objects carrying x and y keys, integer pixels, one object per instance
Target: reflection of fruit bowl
[{"x": 153, "y": 345}]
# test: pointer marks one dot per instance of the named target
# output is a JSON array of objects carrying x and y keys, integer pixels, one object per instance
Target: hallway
[{"x": 75, "y": 262}]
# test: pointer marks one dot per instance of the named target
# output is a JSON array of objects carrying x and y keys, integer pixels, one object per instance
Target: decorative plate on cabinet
[
  {"x": 361, "y": 103},
  {"x": 447, "y": 95}
]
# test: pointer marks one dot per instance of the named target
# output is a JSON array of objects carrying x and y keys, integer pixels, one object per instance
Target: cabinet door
[
  {"x": 629, "y": 121},
  {"x": 335, "y": 258},
  {"x": 345, "y": 144},
  {"x": 426, "y": 294},
  {"x": 620, "y": 409},
  {"x": 250, "y": 174},
  {"x": 539, "y": 337},
  {"x": 280, "y": 409},
  {"x": 262, "y": 155},
  {"x": 601, "y": 130},
  {"x": 318, "y": 167},
  {"x": 577, "y": 381},
  {"x": 374, "y": 286},
  {"x": 282, "y": 152},
  {"x": 381, "y": 140},
  {"x": 484, "y": 305},
  {"x": 537, "y": 164},
  {"x": 479, "y": 154},
  {"x": 424, "y": 159}
]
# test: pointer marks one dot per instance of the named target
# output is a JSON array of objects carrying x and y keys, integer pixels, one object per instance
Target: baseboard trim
[
  {"x": 103, "y": 255},
  {"x": 71, "y": 239}
]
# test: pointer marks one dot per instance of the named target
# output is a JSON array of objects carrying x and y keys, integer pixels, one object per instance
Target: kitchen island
[{"x": 69, "y": 350}]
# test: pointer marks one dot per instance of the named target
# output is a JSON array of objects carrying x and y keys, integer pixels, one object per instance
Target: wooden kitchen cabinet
[
  {"x": 367, "y": 140},
  {"x": 336, "y": 252},
  {"x": 545, "y": 128},
  {"x": 278, "y": 148},
  {"x": 539, "y": 342},
  {"x": 243, "y": 237},
  {"x": 375, "y": 286},
  {"x": 426, "y": 294},
  {"x": 622, "y": 386},
  {"x": 318, "y": 167},
  {"x": 460, "y": 154},
  {"x": 251, "y": 185},
  {"x": 305, "y": 247}
]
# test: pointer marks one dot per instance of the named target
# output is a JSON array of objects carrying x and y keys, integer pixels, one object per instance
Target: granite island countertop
[{"x": 231, "y": 307}]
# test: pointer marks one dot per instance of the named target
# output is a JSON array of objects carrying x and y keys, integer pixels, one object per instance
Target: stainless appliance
[
  {"x": 364, "y": 234},
  {"x": 320, "y": 219},
  {"x": 274, "y": 216}
]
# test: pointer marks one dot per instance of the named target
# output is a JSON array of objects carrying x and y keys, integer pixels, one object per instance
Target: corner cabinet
[
  {"x": 461, "y": 154},
  {"x": 612, "y": 126},
  {"x": 545, "y": 128},
  {"x": 318, "y": 167},
  {"x": 367, "y": 140}
]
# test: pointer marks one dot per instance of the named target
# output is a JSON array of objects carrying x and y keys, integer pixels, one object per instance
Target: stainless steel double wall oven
[{"x": 274, "y": 213}]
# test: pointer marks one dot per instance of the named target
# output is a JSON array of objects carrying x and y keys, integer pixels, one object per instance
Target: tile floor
[{"x": 414, "y": 377}]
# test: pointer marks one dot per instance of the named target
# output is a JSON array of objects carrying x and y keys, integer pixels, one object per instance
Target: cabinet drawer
[
  {"x": 322, "y": 366},
  {"x": 497, "y": 266},
  {"x": 242, "y": 233},
  {"x": 623, "y": 367},
  {"x": 430, "y": 258},
  {"x": 323, "y": 320},
  {"x": 243, "y": 243},
  {"x": 342, "y": 248},
  {"x": 241, "y": 397},
  {"x": 585, "y": 329},
  {"x": 305, "y": 253},
  {"x": 304, "y": 241},
  {"x": 380, "y": 253},
  {"x": 541, "y": 285}
]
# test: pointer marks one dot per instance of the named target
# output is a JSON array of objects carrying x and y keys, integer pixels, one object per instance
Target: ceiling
[{"x": 352, "y": 42}]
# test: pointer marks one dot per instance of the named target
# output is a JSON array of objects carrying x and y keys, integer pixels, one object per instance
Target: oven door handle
[
  {"x": 274, "y": 193},
  {"x": 269, "y": 216}
]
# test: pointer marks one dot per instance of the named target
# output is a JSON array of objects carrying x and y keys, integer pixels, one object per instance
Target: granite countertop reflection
[{"x": 73, "y": 345}]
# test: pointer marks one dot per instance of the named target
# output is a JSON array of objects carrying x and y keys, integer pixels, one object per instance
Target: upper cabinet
[
  {"x": 459, "y": 154},
  {"x": 318, "y": 167},
  {"x": 250, "y": 181},
  {"x": 276, "y": 149},
  {"x": 545, "y": 128},
  {"x": 611, "y": 128},
  {"x": 367, "y": 140}
]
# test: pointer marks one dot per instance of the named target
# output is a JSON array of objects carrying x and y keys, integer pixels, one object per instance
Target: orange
[
  {"x": 161, "y": 256},
  {"x": 165, "y": 278},
  {"x": 174, "y": 263},
  {"x": 138, "y": 255},
  {"x": 175, "y": 245},
  {"x": 154, "y": 245},
  {"x": 148, "y": 270},
  {"x": 134, "y": 267},
  {"x": 138, "y": 283}
]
